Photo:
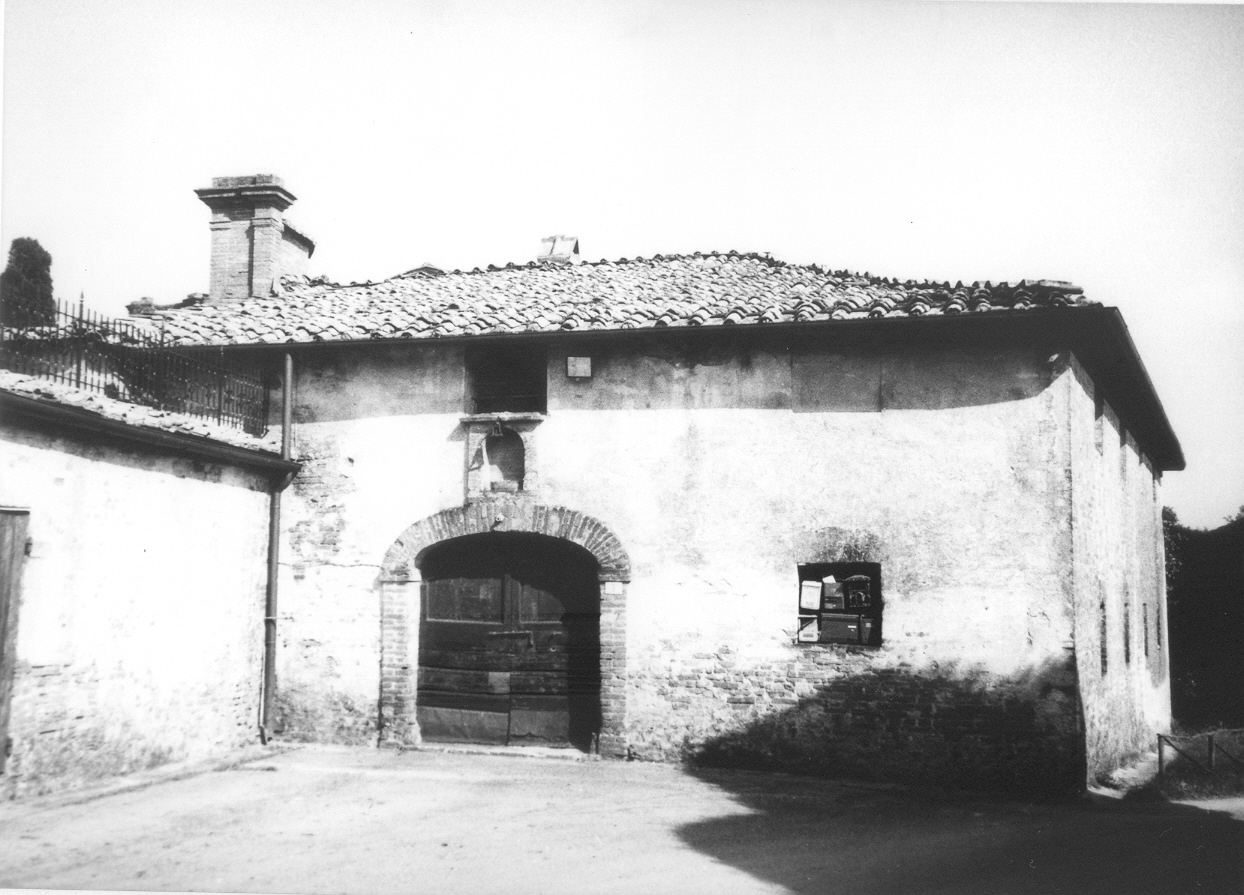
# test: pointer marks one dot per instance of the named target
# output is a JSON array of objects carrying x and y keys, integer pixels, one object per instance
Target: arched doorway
[
  {"x": 402, "y": 605},
  {"x": 509, "y": 641}
]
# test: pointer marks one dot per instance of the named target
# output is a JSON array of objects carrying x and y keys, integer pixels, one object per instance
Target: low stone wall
[{"x": 842, "y": 711}]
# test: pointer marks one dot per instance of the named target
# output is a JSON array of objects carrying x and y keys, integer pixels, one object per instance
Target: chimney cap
[
  {"x": 233, "y": 183},
  {"x": 250, "y": 189}
]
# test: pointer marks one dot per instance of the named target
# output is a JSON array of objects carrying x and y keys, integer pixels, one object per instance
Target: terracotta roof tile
[
  {"x": 132, "y": 414},
  {"x": 702, "y": 289}
]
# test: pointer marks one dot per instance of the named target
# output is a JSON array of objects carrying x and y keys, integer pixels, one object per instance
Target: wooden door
[
  {"x": 13, "y": 525},
  {"x": 509, "y": 642}
]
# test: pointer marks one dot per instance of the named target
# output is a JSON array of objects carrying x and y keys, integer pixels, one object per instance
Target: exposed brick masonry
[{"x": 842, "y": 711}]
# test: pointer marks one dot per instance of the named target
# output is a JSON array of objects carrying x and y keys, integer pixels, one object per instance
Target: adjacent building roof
[
  {"x": 713, "y": 289},
  {"x": 62, "y": 405}
]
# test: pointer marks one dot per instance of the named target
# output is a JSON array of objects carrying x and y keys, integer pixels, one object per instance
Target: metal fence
[
  {"x": 1212, "y": 751},
  {"x": 129, "y": 362}
]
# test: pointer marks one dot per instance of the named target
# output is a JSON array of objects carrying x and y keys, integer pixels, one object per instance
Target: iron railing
[{"x": 122, "y": 360}]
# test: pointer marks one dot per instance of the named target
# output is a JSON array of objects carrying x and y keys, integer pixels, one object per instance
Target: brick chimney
[{"x": 253, "y": 246}]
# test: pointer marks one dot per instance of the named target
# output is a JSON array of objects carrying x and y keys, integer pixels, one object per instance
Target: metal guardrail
[{"x": 125, "y": 361}]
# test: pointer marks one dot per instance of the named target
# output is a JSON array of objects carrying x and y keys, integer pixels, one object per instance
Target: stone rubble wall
[{"x": 842, "y": 711}]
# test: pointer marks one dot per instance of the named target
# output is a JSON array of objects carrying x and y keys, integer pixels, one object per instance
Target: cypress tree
[{"x": 26, "y": 285}]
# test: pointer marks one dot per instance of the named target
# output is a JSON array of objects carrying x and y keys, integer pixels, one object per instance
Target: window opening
[
  {"x": 840, "y": 603},
  {"x": 503, "y": 379},
  {"x": 1099, "y": 424},
  {"x": 1127, "y": 633},
  {"x": 1105, "y": 640}
]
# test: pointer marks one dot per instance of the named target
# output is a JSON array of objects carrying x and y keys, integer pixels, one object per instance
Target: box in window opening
[
  {"x": 843, "y": 628},
  {"x": 837, "y": 609},
  {"x": 833, "y": 597}
]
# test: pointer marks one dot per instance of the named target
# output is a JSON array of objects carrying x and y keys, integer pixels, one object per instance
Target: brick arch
[
  {"x": 400, "y": 606},
  {"x": 495, "y": 515}
]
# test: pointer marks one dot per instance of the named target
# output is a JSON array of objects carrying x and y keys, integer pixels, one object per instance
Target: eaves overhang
[
  {"x": 1105, "y": 348},
  {"x": 1096, "y": 334},
  {"x": 64, "y": 417}
]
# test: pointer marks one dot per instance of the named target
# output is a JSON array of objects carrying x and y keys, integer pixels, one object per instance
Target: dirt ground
[{"x": 360, "y": 820}]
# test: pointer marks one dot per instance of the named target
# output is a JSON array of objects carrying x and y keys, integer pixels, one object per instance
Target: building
[
  {"x": 710, "y": 506},
  {"x": 125, "y": 641}
]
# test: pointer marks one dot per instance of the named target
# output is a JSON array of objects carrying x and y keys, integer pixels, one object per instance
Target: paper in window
[{"x": 809, "y": 595}]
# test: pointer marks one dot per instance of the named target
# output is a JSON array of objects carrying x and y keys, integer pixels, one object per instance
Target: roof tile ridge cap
[
  {"x": 491, "y": 268},
  {"x": 769, "y": 259},
  {"x": 317, "y": 282}
]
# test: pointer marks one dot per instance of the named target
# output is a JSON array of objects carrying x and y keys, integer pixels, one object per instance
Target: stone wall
[
  {"x": 1119, "y": 571},
  {"x": 378, "y": 431},
  {"x": 720, "y": 468},
  {"x": 140, "y": 631},
  {"x": 841, "y": 712}
]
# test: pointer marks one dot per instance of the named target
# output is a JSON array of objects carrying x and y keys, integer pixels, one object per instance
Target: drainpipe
[{"x": 274, "y": 556}]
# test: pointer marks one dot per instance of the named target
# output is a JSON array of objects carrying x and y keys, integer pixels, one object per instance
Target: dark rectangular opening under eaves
[{"x": 505, "y": 379}]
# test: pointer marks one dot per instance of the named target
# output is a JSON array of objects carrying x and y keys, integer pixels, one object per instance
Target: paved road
[{"x": 357, "y": 820}]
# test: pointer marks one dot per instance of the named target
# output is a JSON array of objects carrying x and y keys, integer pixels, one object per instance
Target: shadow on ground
[{"x": 813, "y": 835}]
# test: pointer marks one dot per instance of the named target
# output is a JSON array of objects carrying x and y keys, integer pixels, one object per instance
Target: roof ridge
[{"x": 430, "y": 271}]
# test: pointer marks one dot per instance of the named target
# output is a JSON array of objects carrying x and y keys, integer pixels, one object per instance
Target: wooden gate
[{"x": 509, "y": 641}]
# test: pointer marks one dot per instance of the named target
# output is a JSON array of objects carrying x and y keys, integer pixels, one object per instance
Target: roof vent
[
  {"x": 144, "y": 307},
  {"x": 559, "y": 250},
  {"x": 426, "y": 269}
]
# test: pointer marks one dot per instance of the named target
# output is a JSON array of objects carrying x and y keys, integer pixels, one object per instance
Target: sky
[{"x": 1097, "y": 143}]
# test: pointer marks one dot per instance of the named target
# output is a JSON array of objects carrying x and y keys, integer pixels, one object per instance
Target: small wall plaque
[{"x": 579, "y": 367}]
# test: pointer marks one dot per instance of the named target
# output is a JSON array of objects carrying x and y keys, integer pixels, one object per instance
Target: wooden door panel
[
  {"x": 463, "y": 680},
  {"x": 537, "y": 605},
  {"x": 477, "y": 702},
  {"x": 480, "y": 661},
  {"x": 459, "y": 725},
  {"x": 542, "y": 682},
  {"x": 471, "y": 637},
  {"x": 539, "y": 720},
  {"x": 465, "y": 599},
  {"x": 510, "y": 626}
]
